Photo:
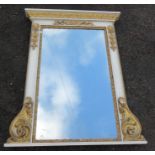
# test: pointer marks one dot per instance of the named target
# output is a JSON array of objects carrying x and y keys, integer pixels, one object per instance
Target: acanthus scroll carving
[
  {"x": 131, "y": 127},
  {"x": 20, "y": 128},
  {"x": 34, "y": 36},
  {"x": 73, "y": 22},
  {"x": 112, "y": 38}
]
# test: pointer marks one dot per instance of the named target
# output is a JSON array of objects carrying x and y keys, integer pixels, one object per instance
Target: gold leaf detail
[
  {"x": 72, "y": 22},
  {"x": 131, "y": 127},
  {"x": 112, "y": 38},
  {"x": 20, "y": 128},
  {"x": 34, "y": 36},
  {"x": 73, "y": 15}
]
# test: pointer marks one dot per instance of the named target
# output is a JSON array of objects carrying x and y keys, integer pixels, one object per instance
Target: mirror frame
[{"x": 22, "y": 128}]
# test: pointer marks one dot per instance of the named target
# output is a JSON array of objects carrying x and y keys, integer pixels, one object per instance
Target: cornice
[{"x": 72, "y": 14}]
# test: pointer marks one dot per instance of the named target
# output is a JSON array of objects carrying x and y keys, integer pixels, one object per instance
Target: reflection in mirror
[{"x": 75, "y": 99}]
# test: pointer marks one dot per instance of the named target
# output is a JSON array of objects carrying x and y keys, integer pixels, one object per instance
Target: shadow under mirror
[{"x": 75, "y": 96}]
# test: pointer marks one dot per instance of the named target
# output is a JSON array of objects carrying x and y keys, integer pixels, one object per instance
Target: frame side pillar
[{"x": 130, "y": 126}]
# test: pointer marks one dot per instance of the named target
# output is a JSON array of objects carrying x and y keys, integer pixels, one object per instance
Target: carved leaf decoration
[
  {"x": 112, "y": 39},
  {"x": 34, "y": 36},
  {"x": 73, "y": 22},
  {"x": 131, "y": 127},
  {"x": 20, "y": 128}
]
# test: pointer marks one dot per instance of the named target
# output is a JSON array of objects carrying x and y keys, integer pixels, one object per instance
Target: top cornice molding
[{"x": 33, "y": 14}]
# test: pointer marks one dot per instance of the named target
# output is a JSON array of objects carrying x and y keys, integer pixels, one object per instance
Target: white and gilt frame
[{"x": 22, "y": 128}]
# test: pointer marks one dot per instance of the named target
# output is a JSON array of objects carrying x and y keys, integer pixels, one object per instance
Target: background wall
[{"x": 136, "y": 40}]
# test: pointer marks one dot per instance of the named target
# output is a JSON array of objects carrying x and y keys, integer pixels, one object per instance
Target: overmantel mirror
[{"x": 74, "y": 92}]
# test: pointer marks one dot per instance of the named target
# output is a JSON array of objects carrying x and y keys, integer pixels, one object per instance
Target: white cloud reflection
[
  {"x": 89, "y": 50},
  {"x": 57, "y": 36},
  {"x": 59, "y": 94},
  {"x": 63, "y": 100}
]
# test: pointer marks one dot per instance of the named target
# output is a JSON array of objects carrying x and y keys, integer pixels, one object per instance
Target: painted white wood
[
  {"x": 62, "y": 10},
  {"x": 78, "y": 11},
  {"x": 75, "y": 143},
  {"x": 31, "y": 78}
]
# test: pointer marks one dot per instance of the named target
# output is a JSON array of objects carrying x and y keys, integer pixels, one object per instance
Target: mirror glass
[{"x": 75, "y": 96}]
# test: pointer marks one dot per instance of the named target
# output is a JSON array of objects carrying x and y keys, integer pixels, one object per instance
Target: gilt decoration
[
  {"x": 73, "y": 22},
  {"x": 34, "y": 36},
  {"x": 20, "y": 128},
  {"x": 112, "y": 38},
  {"x": 131, "y": 127}
]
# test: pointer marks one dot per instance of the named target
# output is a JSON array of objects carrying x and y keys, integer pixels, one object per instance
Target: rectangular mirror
[
  {"x": 75, "y": 97},
  {"x": 74, "y": 92}
]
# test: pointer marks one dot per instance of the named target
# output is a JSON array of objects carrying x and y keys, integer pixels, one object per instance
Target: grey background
[{"x": 136, "y": 40}]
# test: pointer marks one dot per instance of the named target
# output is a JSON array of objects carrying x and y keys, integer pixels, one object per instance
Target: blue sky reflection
[{"x": 75, "y": 96}]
